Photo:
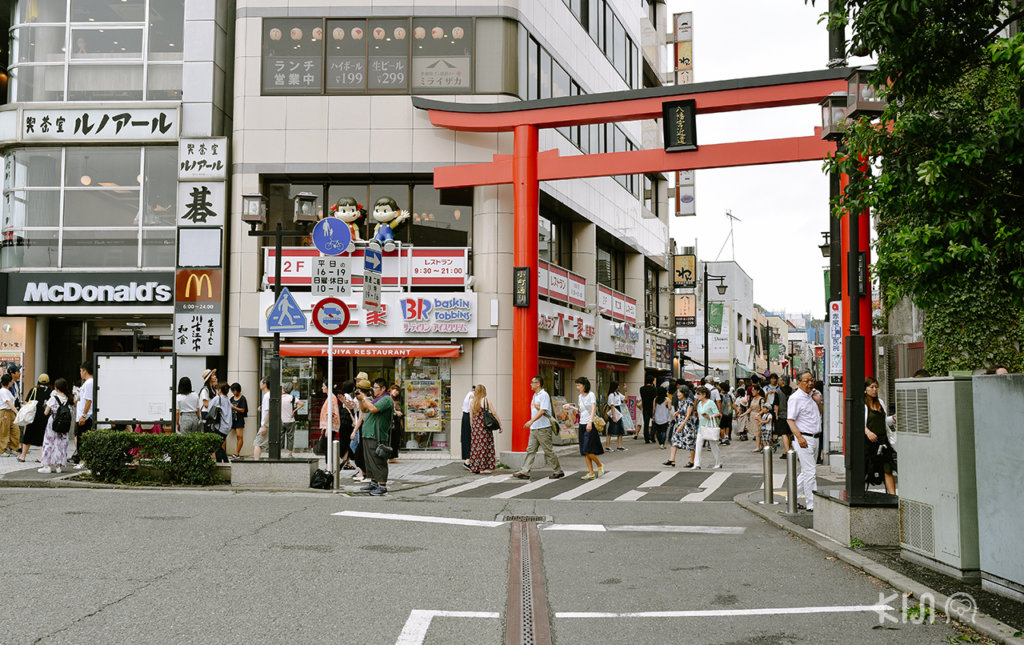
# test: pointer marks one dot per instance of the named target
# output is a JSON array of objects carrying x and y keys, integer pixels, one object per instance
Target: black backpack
[
  {"x": 63, "y": 418},
  {"x": 212, "y": 418}
]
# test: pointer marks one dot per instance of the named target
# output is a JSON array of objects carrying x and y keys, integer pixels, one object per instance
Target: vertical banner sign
[
  {"x": 686, "y": 198},
  {"x": 686, "y": 310},
  {"x": 835, "y": 343},
  {"x": 682, "y": 48},
  {"x": 684, "y": 272},
  {"x": 521, "y": 286},
  {"x": 200, "y": 213},
  {"x": 715, "y": 317}
]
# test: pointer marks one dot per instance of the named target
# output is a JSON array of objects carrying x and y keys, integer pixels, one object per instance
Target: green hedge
[{"x": 183, "y": 459}]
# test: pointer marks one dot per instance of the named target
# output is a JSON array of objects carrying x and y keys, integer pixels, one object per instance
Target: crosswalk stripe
[
  {"x": 710, "y": 485},
  {"x": 777, "y": 481},
  {"x": 526, "y": 488},
  {"x": 476, "y": 483},
  {"x": 658, "y": 479},
  {"x": 630, "y": 496},
  {"x": 583, "y": 489}
]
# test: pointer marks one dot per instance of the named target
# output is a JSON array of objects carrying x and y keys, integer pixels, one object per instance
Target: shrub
[{"x": 183, "y": 459}]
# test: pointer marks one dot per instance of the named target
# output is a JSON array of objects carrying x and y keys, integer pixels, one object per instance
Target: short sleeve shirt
[
  {"x": 6, "y": 399},
  {"x": 540, "y": 401},
  {"x": 84, "y": 394},
  {"x": 586, "y": 402},
  {"x": 265, "y": 410},
  {"x": 804, "y": 411},
  {"x": 378, "y": 424},
  {"x": 238, "y": 418},
  {"x": 287, "y": 408}
]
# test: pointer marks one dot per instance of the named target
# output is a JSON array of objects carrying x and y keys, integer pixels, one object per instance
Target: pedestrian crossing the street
[{"x": 618, "y": 486}]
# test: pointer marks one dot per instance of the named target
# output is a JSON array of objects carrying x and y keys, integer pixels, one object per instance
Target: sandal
[
  {"x": 21, "y": 459},
  {"x": 669, "y": 463}
]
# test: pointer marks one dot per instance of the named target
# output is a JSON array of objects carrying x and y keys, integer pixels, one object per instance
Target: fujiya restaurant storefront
[{"x": 416, "y": 340}]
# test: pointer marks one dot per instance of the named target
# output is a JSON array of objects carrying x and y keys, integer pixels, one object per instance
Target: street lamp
[
  {"x": 721, "y": 291},
  {"x": 254, "y": 213},
  {"x": 826, "y": 247},
  {"x": 833, "y": 116}
]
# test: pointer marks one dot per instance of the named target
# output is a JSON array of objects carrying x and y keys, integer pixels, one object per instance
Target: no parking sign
[{"x": 330, "y": 316}]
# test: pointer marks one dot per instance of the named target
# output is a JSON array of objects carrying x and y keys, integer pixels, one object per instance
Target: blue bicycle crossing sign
[
  {"x": 285, "y": 317},
  {"x": 331, "y": 236}
]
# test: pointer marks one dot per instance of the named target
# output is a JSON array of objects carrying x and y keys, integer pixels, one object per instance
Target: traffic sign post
[
  {"x": 330, "y": 317},
  {"x": 373, "y": 262},
  {"x": 331, "y": 236}
]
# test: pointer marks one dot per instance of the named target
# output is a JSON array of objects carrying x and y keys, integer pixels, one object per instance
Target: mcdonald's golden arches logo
[{"x": 191, "y": 285}]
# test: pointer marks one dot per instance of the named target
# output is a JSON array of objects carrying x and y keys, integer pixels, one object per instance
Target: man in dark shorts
[{"x": 647, "y": 394}]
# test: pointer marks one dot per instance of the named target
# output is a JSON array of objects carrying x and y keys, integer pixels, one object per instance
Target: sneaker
[
  {"x": 589, "y": 476},
  {"x": 600, "y": 470},
  {"x": 5, "y": 453},
  {"x": 694, "y": 467},
  {"x": 44, "y": 469},
  {"x": 378, "y": 491},
  {"x": 368, "y": 488},
  {"x": 57, "y": 470},
  {"x": 622, "y": 449},
  {"x": 716, "y": 467},
  {"x": 782, "y": 456},
  {"x": 526, "y": 476},
  {"x": 551, "y": 476}
]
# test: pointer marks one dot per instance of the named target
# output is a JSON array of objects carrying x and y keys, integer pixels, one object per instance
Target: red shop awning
[{"x": 379, "y": 351}]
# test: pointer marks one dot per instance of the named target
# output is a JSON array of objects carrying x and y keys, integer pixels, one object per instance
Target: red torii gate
[{"x": 526, "y": 167}]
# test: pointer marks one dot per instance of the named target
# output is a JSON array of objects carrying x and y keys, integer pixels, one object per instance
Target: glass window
[
  {"x": 106, "y": 11},
  {"x": 619, "y": 51},
  {"x": 442, "y": 54},
  {"x": 388, "y": 55},
  {"x": 397, "y": 192},
  {"x": 102, "y": 167},
  {"x": 346, "y": 55},
  {"x": 560, "y": 83},
  {"x": 281, "y": 207},
  {"x": 533, "y": 66},
  {"x": 545, "y": 74},
  {"x": 545, "y": 239},
  {"x": 33, "y": 208},
  {"x": 161, "y": 186},
  {"x": 166, "y": 29},
  {"x": 293, "y": 55},
  {"x": 38, "y": 83},
  {"x": 42, "y": 11},
  {"x": 600, "y": 10},
  {"x": 106, "y": 43},
  {"x": 158, "y": 248},
  {"x": 87, "y": 247},
  {"x": 100, "y": 208},
  {"x": 164, "y": 83},
  {"x": 497, "y": 63},
  {"x": 605, "y": 273},
  {"x": 105, "y": 83},
  {"x": 436, "y": 224},
  {"x": 29, "y": 249},
  {"x": 39, "y": 44},
  {"x": 37, "y": 167}
]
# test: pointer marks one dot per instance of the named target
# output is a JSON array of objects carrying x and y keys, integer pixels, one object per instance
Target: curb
[{"x": 982, "y": 623}]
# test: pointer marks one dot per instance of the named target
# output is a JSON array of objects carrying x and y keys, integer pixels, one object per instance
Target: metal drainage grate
[
  {"x": 525, "y": 518},
  {"x": 526, "y": 634}
]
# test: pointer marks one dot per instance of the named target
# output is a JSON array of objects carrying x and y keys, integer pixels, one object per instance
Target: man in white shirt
[
  {"x": 83, "y": 411},
  {"x": 263, "y": 433},
  {"x": 10, "y": 434},
  {"x": 289, "y": 406},
  {"x": 803, "y": 414},
  {"x": 541, "y": 434}
]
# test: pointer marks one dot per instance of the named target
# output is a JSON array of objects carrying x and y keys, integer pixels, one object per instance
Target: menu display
[
  {"x": 293, "y": 56},
  {"x": 423, "y": 406}
]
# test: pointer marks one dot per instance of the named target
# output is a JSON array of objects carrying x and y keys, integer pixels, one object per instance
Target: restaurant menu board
[
  {"x": 566, "y": 418},
  {"x": 388, "y": 55},
  {"x": 423, "y": 406},
  {"x": 293, "y": 55}
]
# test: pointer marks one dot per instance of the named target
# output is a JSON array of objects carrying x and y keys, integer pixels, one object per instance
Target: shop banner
[
  {"x": 418, "y": 267},
  {"x": 563, "y": 326},
  {"x": 620, "y": 338},
  {"x": 29, "y": 293},
  {"x": 401, "y": 315},
  {"x": 616, "y": 305},
  {"x": 715, "y": 310},
  {"x": 371, "y": 351},
  {"x": 98, "y": 126}
]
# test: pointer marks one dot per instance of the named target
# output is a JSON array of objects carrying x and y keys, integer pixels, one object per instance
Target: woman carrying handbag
[
  {"x": 707, "y": 413},
  {"x": 481, "y": 453}
]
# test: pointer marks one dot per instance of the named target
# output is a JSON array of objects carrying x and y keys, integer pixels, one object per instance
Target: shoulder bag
[{"x": 490, "y": 421}]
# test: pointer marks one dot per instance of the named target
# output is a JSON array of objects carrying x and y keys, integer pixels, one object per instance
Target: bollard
[
  {"x": 769, "y": 487},
  {"x": 791, "y": 492},
  {"x": 335, "y": 466}
]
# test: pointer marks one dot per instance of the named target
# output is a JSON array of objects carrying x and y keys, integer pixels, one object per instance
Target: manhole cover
[{"x": 525, "y": 518}]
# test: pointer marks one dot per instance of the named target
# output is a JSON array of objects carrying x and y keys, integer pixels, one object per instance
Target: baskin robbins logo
[{"x": 436, "y": 315}]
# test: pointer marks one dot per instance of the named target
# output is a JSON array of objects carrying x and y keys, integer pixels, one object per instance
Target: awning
[
  {"x": 377, "y": 351},
  {"x": 743, "y": 372},
  {"x": 546, "y": 361},
  {"x": 616, "y": 367}
]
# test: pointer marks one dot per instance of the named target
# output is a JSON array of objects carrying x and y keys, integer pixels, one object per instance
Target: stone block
[
  {"x": 877, "y": 524},
  {"x": 281, "y": 474}
]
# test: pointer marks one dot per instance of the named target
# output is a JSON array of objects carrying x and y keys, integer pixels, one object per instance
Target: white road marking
[
  {"x": 630, "y": 496},
  {"x": 658, "y": 479},
  {"x": 476, "y": 483},
  {"x": 706, "y": 613},
  {"x": 415, "y": 630},
  {"x": 601, "y": 528},
  {"x": 420, "y": 518},
  {"x": 710, "y": 485},
  {"x": 526, "y": 488},
  {"x": 583, "y": 489},
  {"x": 777, "y": 482}
]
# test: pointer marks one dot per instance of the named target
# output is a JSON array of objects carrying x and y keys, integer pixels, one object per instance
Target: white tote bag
[{"x": 27, "y": 414}]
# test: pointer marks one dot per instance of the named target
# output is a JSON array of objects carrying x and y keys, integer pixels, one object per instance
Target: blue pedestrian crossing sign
[
  {"x": 331, "y": 236},
  {"x": 285, "y": 316}
]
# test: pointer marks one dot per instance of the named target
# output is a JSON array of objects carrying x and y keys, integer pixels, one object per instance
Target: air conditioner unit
[{"x": 937, "y": 481}]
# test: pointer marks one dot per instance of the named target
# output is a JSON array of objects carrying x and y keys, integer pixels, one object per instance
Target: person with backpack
[
  {"x": 725, "y": 423},
  {"x": 59, "y": 420}
]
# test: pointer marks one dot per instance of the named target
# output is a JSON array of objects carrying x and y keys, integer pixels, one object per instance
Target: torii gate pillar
[{"x": 526, "y": 188}]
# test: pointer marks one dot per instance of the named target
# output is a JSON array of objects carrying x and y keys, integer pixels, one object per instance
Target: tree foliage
[{"x": 944, "y": 164}]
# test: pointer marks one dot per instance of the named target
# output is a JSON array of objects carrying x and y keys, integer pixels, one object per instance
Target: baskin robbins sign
[{"x": 401, "y": 315}]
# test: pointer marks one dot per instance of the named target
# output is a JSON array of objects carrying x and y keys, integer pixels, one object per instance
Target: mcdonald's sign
[{"x": 197, "y": 285}]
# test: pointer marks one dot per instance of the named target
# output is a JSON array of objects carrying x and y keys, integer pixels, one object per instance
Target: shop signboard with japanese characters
[
  {"x": 621, "y": 338},
  {"x": 201, "y": 216},
  {"x": 409, "y": 316},
  {"x": 616, "y": 305},
  {"x": 425, "y": 267},
  {"x": 567, "y": 327},
  {"x": 99, "y": 125}
]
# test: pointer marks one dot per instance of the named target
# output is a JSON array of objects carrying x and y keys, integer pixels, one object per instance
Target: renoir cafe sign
[{"x": 100, "y": 292}]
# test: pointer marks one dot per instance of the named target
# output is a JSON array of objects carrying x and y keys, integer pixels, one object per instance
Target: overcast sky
[{"x": 783, "y": 207}]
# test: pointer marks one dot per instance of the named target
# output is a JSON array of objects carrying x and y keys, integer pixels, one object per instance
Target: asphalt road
[{"x": 117, "y": 566}]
